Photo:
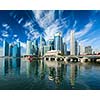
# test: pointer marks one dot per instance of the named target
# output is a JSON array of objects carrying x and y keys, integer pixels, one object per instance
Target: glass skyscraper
[
  {"x": 58, "y": 42},
  {"x": 29, "y": 48},
  {"x": 35, "y": 47},
  {"x": 5, "y": 48},
  {"x": 72, "y": 43},
  {"x": 16, "y": 50}
]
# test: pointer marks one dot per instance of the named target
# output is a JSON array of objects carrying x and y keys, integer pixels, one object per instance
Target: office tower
[
  {"x": 5, "y": 48},
  {"x": 58, "y": 42},
  {"x": 88, "y": 50},
  {"x": 35, "y": 47},
  {"x": 81, "y": 49},
  {"x": 29, "y": 48},
  {"x": 16, "y": 50},
  {"x": 42, "y": 43},
  {"x": 46, "y": 48},
  {"x": 64, "y": 48},
  {"x": 10, "y": 50},
  {"x": 51, "y": 44},
  {"x": 76, "y": 48},
  {"x": 72, "y": 43}
]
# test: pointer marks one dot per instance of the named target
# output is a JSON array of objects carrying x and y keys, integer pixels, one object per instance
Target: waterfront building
[
  {"x": 58, "y": 42},
  {"x": 88, "y": 50},
  {"x": 53, "y": 53},
  {"x": 42, "y": 43},
  {"x": 72, "y": 43},
  {"x": 16, "y": 50},
  {"x": 51, "y": 44},
  {"x": 81, "y": 49},
  {"x": 76, "y": 47},
  {"x": 35, "y": 47},
  {"x": 46, "y": 48},
  {"x": 5, "y": 48},
  {"x": 29, "y": 48},
  {"x": 10, "y": 49},
  {"x": 64, "y": 48}
]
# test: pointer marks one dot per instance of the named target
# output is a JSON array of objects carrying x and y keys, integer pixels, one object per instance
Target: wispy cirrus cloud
[
  {"x": 46, "y": 20},
  {"x": 4, "y": 33},
  {"x": 85, "y": 30},
  {"x": 20, "y": 20}
]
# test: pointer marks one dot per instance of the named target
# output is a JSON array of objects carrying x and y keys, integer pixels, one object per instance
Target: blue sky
[{"x": 22, "y": 25}]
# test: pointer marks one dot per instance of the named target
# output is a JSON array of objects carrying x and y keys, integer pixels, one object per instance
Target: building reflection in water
[
  {"x": 11, "y": 66},
  {"x": 42, "y": 70},
  {"x": 5, "y": 66},
  {"x": 36, "y": 69},
  {"x": 74, "y": 68},
  {"x": 57, "y": 71}
]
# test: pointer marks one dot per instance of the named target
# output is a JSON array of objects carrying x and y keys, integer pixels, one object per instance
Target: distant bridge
[{"x": 82, "y": 58}]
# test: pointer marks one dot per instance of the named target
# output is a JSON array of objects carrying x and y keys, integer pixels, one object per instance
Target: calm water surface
[{"x": 18, "y": 74}]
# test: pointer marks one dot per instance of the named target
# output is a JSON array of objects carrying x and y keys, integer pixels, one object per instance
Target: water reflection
[
  {"x": 51, "y": 74},
  {"x": 57, "y": 71},
  {"x": 36, "y": 69},
  {"x": 11, "y": 66},
  {"x": 73, "y": 74}
]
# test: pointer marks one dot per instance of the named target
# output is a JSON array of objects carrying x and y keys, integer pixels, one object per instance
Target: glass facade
[
  {"x": 29, "y": 48},
  {"x": 35, "y": 47},
  {"x": 16, "y": 50},
  {"x": 58, "y": 42},
  {"x": 5, "y": 48}
]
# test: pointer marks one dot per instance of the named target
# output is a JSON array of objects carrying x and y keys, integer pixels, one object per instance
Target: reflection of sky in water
[{"x": 21, "y": 74}]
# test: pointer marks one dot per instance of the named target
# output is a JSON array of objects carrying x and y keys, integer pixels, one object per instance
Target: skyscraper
[
  {"x": 81, "y": 49},
  {"x": 16, "y": 50},
  {"x": 58, "y": 42},
  {"x": 51, "y": 44},
  {"x": 72, "y": 43},
  {"x": 10, "y": 50},
  {"x": 42, "y": 43},
  {"x": 5, "y": 48},
  {"x": 88, "y": 50},
  {"x": 76, "y": 48},
  {"x": 35, "y": 47},
  {"x": 29, "y": 48},
  {"x": 64, "y": 48}
]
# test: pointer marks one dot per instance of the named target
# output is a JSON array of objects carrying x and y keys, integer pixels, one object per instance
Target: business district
[{"x": 55, "y": 47}]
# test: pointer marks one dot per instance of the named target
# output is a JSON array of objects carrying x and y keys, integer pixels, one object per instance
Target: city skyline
[{"x": 27, "y": 25}]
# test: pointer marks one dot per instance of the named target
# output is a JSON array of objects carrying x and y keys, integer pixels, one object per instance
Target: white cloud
[
  {"x": 6, "y": 26},
  {"x": 5, "y": 34},
  {"x": 21, "y": 19},
  {"x": 85, "y": 30},
  {"x": 43, "y": 18},
  {"x": 15, "y": 35}
]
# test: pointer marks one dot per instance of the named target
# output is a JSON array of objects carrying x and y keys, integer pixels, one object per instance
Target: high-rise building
[
  {"x": 41, "y": 45},
  {"x": 58, "y": 42},
  {"x": 16, "y": 50},
  {"x": 72, "y": 43},
  {"x": 51, "y": 44},
  {"x": 29, "y": 48},
  {"x": 5, "y": 48},
  {"x": 35, "y": 47},
  {"x": 46, "y": 48},
  {"x": 88, "y": 50},
  {"x": 76, "y": 48},
  {"x": 81, "y": 49},
  {"x": 64, "y": 48},
  {"x": 10, "y": 50}
]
